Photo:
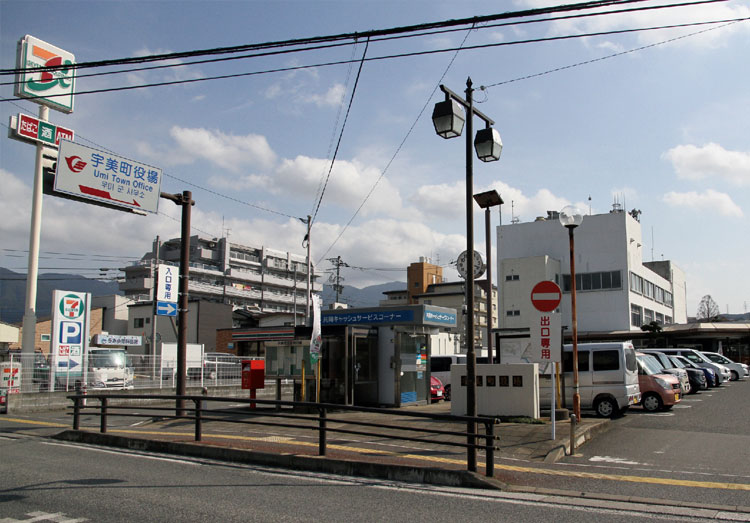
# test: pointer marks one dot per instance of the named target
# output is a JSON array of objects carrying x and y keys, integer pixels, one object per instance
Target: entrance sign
[
  {"x": 54, "y": 88},
  {"x": 33, "y": 130},
  {"x": 105, "y": 177},
  {"x": 546, "y": 296},
  {"x": 166, "y": 288}
]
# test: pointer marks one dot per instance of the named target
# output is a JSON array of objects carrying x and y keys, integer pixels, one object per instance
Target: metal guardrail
[{"x": 317, "y": 422}]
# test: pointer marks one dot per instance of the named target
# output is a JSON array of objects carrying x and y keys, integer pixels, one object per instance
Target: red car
[{"x": 436, "y": 389}]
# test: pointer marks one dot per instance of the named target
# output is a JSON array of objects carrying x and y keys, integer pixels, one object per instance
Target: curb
[
  {"x": 582, "y": 436},
  {"x": 405, "y": 473}
]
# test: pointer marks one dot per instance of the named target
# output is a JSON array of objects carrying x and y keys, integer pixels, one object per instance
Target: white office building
[{"x": 615, "y": 289}]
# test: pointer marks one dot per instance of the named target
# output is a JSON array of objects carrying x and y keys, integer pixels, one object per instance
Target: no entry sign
[{"x": 546, "y": 296}]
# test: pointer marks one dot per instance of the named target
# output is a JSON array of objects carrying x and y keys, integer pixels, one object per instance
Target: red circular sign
[{"x": 546, "y": 296}]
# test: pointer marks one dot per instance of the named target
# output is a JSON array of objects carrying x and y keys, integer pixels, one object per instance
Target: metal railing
[{"x": 295, "y": 416}]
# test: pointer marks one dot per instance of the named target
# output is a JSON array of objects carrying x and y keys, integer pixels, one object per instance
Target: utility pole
[
  {"x": 154, "y": 330},
  {"x": 337, "y": 279},
  {"x": 306, "y": 243},
  {"x": 186, "y": 201}
]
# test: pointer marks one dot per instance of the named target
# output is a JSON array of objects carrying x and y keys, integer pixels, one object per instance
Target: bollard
[
  {"x": 204, "y": 392},
  {"x": 572, "y": 434}
]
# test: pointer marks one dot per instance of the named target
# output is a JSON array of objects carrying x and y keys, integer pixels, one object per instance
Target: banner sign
[
  {"x": 33, "y": 130},
  {"x": 316, "y": 340},
  {"x": 70, "y": 327}
]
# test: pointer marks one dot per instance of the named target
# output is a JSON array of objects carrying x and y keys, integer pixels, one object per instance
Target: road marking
[
  {"x": 437, "y": 459},
  {"x": 34, "y": 422}
]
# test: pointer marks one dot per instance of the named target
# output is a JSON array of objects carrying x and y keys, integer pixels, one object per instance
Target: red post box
[{"x": 253, "y": 374}]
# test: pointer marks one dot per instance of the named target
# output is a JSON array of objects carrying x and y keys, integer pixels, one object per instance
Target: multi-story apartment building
[
  {"x": 615, "y": 289},
  {"x": 252, "y": 278}
]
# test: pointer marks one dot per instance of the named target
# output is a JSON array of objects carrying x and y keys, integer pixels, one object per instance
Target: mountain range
[{"x": 13, "y": 292}]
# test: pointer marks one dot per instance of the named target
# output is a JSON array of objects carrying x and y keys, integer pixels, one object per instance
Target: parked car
[
  {"x": 437, "y": 392},
  {"x": 607, "y": 378},
  {"x": 440, "y": 367},
  {"x": 697, "y": 377},
  {"x": 738, "y": 370},
  {"x": 669, "y": 368},
  {"x": 217, "y": 366},
  {"x": 722, "y": 373},
  {"x": 658, "y": 391},
  {"x": 712, "y": 380}
]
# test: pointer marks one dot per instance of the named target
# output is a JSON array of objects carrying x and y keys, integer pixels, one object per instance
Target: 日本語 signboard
[
  {"x": 105, "y": 177},
  {"x": 53, "y": 88},
  {"x": 117, "y": 339},
  {"x": 30, "y": 129},
  {"x": 70, "y": 319},
  {"x": 545, "y": 331}
]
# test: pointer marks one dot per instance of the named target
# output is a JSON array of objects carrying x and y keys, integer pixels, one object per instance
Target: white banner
[
  {"x": 316, "y": 339},
  {"x": 545, "y": 332}
]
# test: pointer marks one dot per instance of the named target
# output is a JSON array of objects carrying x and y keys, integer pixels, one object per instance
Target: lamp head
[
  {"x": 488, "y": 144},
  {"x": 448, "y": 117},
  {"x": 571, "y": 216}
]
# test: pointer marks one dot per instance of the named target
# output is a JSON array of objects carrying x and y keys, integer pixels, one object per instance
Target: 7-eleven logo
[{"x": 71, "y": 306}]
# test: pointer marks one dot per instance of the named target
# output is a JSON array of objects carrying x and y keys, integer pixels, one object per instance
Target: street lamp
[
  {"x": 571, "y": 217},
  {"x": 486, "y": 200},
  {"x": 448, "y": 120}
]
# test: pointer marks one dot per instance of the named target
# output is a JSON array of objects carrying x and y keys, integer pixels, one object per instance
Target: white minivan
[
  {"x": 607, "y": 378},
  {"x": 440, "y": 367}
]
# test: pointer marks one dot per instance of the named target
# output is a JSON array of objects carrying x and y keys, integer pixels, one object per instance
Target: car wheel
[
  {"x": 735, "y": 375},
  {"x": 652, "y": 402},
  {"x": 605, "y": 407}
]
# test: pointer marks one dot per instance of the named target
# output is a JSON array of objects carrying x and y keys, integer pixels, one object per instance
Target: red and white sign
[
  {"x": 31, "y": 129},
  {"x": 545, "y": 332},
  {"x": 546, "y": 296}
]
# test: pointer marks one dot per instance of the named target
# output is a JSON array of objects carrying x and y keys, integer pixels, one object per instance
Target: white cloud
[
  {"x": 709, "y": 200},
  {"x": 331, "y": 98},
  {"x": 710, "y": 161},
  {"x": 227, "y": 151}
]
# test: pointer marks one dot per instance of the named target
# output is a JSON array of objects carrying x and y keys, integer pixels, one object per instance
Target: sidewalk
[{"x": 297, "y": 449}]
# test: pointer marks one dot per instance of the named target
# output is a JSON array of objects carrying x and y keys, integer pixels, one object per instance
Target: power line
[
  {"x": 377, "y": 58},
  {"x": 344, "y": 36}
]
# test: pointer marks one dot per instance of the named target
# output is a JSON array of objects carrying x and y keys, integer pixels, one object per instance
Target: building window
[
  {"x": 512, "y": 277},
  {"x": 513, "y": 313},
  {"x": 659, "y": 318},
  {"x": 44, "y": 337},
  {"x": 648, "y": 316},
  {"x": 138, "y": 323},
  {"x": 668, "y": 319},
  {"x": 636, "y": 315},
  {"x": 594, "y": 281}
]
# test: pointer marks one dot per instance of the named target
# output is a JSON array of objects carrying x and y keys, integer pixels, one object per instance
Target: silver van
[
  {"x": 440, "y": 367},
  {"x": 607, "y": 378}
]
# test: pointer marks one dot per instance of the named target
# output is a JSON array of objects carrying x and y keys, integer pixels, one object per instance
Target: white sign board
[
  {"x": 54, "y": 88},
  {"x": 70, "y": 327},
  {"x": 105, "y": 177},
  {"x": 117, "y": 339},
  {"x": 545, "y": 331},
  {"x": 167, "y": 287}
]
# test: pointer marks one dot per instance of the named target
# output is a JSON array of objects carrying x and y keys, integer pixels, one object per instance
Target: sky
[{"x": 656, "y": 120}]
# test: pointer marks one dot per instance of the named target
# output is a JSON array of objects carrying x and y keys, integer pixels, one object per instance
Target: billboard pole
[{"x": 28, "y": 340}]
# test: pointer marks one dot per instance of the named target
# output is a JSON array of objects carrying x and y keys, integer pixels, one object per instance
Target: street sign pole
[{"x": 28, "y": 339}]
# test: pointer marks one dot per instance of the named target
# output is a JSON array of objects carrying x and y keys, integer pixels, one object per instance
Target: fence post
[
  {"x": 322, "y": 432},
  {"x": 573, "y": 421},
  {"x": 489, "y": 449},
  {"x": 103, "y": 416},
  {"x": 76, "y": 413},
  {"x": 198, "y": 425}
]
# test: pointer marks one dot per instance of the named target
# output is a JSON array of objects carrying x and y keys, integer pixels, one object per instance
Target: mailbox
[{"x": 253, "y": 374}]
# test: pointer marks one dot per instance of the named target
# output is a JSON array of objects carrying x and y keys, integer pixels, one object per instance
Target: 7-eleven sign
[{"x": 71, "y": 306}]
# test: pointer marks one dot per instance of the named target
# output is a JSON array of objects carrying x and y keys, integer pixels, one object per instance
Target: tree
[
  {"x": 708, "y": 309},
  {"x": 654, "y": 329}
]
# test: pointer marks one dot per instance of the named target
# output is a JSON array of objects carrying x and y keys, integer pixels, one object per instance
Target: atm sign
[{"x": 38, "y": 130}]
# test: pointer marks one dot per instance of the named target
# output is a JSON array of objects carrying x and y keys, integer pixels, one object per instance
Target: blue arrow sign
[
  {"x": 166, "y": 308},
  {"x": 67, "y": 364}
]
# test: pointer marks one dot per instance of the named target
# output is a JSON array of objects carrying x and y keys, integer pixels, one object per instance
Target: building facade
[
  {"x": 255, "y": 279},
  {"x": 615, "y": 289}
]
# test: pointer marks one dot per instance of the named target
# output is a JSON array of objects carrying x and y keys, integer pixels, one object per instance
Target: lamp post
[
  {"x": 571, "y": 217},
  {"x": 486, "y": 200},
  {"x": 449, "y": 119}
]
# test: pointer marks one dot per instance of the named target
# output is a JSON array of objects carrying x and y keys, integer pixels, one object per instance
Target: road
[
  {"x": 697, "y": 452},
  {"x": 45, "y": 480}
]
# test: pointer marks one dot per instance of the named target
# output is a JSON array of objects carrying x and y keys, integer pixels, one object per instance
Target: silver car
[{"x": 738, "y": 370}]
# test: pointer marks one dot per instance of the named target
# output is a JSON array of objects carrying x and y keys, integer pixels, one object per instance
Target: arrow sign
[
  {"x": 104, "y": 194},
  {"x": 546, "y": 296},
  {"x": 166, "y": 308},
  {"x": 67, "y": 364}
]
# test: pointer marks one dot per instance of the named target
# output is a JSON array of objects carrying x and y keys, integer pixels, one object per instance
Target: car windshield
[
  {"x": 649, "y": 364},
  {"x": 115, "y": 360},
  {"x": 677, "y": 363},
  {"x": 718, "y": 358},
  {"x": 689, "y": 364}
]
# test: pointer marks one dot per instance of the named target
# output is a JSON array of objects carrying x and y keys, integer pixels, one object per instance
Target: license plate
[
  {"x": 677, "y": 397},
  {"x": 440, "y": 393}
]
